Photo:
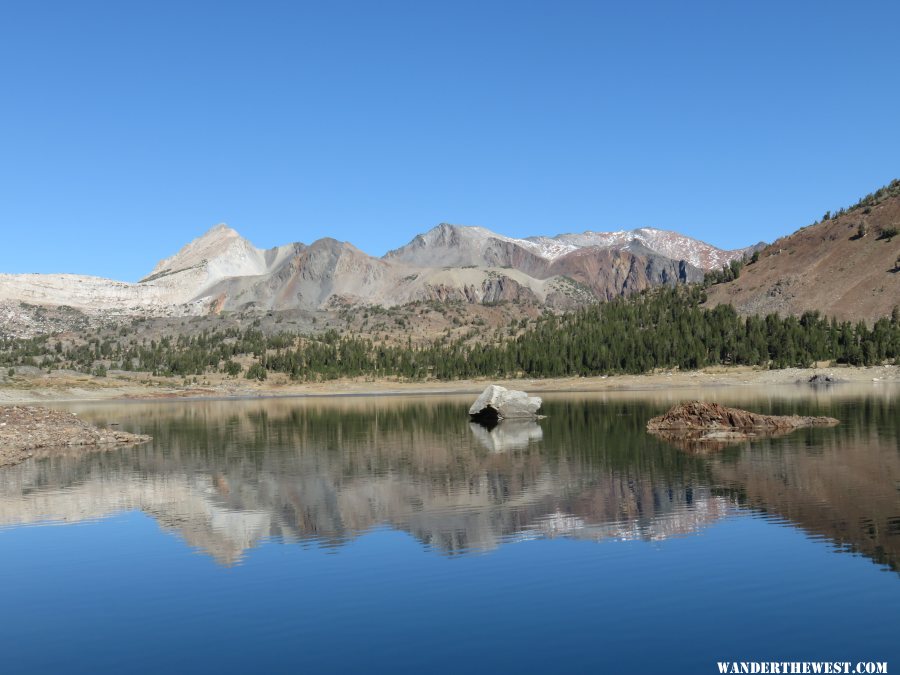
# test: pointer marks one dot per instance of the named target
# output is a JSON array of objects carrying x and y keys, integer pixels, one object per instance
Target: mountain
[
  {"x": 661, "y": 242},
  {"x": 458, "y": 245},
  {"x": 611, "y": 272},
  {"x": 827, "y": 266},
  {"x": 176, "y": 286},
  {"x": 219, "y": 254},
  {"x": 608, "y": 263},
  {"x": 222, "y": 271},
  {"x": 307, "y": 278}
]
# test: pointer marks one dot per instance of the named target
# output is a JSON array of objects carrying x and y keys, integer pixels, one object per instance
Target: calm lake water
[{"x": 390, "y": 535}]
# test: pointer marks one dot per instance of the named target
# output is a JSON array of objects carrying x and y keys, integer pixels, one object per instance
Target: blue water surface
[{"x": 125, "y": 592}]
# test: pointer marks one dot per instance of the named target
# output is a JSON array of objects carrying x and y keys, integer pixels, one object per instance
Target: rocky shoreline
[{"x": 27, "y": 430}]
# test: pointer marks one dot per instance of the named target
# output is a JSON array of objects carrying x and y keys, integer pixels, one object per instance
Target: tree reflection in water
[{"x": 226, "y": 475}]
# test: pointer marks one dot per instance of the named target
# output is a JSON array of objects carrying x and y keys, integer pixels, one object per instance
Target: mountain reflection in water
[{"x": 227, "y": 475}]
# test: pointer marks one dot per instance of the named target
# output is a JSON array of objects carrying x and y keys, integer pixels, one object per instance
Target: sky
[{"x": 129, "y": 128}]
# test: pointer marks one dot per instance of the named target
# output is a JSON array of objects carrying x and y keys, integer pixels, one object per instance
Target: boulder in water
[{"x": 499, "y": 403}]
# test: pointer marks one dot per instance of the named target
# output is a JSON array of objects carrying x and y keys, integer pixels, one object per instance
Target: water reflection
[
  {"x": 507, "y": 434},
  {"x": 706, "y": 442},
  {"x": 226, "y": 476}
]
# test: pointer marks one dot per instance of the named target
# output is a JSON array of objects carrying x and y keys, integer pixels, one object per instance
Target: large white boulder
[{"x": 501, "y": 403}]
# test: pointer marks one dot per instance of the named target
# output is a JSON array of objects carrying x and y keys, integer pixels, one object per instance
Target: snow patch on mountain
[{"x": 664, "y": 242}]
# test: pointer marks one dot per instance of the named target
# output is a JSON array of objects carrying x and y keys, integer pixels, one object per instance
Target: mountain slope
[
  {"x": 89, "y": 293},
  {"x": 223, "y": 271},
  {"x": 661, "y": 242},
  {"x": 221, "y": 253},
  {"x": 306, "y": 279},
  {"x": 460, "y": 245},
  {"x": 611, "y": 272},
  {"x": 608, "y": 263},
  {"x": 176, "y": 286},
  {"x": 221, "y": 250},
  {"x": 827, "y": 267},
  {"x": 329, "y": 272}
]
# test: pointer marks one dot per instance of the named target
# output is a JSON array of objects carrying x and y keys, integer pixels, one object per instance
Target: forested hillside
[{"x": 663, "y": 328}]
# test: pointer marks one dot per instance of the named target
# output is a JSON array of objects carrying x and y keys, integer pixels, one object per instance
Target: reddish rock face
[{"x": 610, "y": 273}]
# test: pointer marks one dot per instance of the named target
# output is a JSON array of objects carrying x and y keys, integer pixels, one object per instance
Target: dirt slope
[{"x": 826, "y": 267}]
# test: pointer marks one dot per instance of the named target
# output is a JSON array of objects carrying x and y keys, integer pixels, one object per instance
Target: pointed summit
[
  {"x": 219, "y": 230},
  {"x": 218, "y": 253}
]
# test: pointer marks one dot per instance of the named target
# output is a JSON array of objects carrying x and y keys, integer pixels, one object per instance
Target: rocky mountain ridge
[
  {"x": 466, "y": 245},
  {"x": 222, "y": 271}
]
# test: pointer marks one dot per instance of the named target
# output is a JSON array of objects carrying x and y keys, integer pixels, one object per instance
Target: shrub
[
  {"x": 888, "y": 232},
  {"x": 257, "y": 372},
  {"x": 232, "y": 368}
]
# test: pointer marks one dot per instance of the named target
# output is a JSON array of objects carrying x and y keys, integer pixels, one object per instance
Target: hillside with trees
[
  {"x": 847, "y": 265},
  {"x": 663, "y": 328}
]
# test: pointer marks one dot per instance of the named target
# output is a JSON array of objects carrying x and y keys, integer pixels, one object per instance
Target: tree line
[{"x": 663, "y": 328}]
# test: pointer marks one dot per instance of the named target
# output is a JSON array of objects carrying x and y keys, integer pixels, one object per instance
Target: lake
[{"x": 388, "y": 534}]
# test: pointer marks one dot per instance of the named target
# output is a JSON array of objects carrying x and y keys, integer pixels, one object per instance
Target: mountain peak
[
  {"x": 220, "y": 252},
  {"x": 443, "y": 229},
  {"x": 218, "y": 230}
]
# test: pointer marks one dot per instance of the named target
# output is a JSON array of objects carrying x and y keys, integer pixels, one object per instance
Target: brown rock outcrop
[
  {"x": 696, "y": 426},
  {"x": 25, "y": 430}
]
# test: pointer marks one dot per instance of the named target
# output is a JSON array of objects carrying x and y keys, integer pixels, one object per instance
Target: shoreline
[
  {"x": 66, "y": 387},
  {"x": 28, "y": 431}
]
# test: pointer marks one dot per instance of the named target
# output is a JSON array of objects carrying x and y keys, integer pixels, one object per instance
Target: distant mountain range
[{"x": 222, "y": 271}]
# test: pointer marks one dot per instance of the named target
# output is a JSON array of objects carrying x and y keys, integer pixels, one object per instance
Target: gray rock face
[
  {"x": 500, "y": 403},
  {"x": 221, "y": 271}
]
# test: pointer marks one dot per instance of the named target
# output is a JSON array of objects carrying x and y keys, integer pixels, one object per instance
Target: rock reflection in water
[
  {"x": 704, "y": 441},
  {"x": 226, "y": 476},
  {"x": 507, "y": 434}
]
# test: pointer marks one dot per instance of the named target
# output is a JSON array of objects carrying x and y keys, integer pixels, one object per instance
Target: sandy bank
[{"x": 73, "y": 387}]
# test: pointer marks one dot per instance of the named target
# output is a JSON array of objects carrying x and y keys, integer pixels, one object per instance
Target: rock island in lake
[
  {"x": 499, "y": 403},
  {"x": 697, "y": 426}
]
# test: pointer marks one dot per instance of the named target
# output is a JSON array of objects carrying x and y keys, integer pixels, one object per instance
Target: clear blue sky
[{"x": 129, "y": 128}]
